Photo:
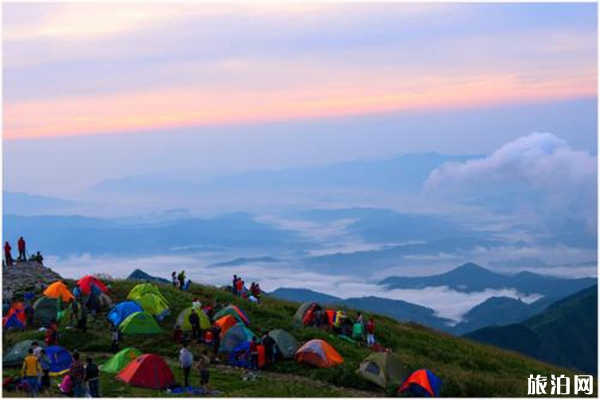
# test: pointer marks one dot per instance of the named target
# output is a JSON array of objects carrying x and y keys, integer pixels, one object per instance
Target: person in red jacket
[
  {"x": 254, "y": 353},
  {"x": 370, "y": 328},
  {"x": 239, "y": 287},
  {"x": 7, "y": 256},
  {"x": 21, "y": 246}
]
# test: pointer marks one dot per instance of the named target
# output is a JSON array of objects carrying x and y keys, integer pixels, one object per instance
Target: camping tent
[
  {"x": 12, "y": 321},
  {"x": 148, "y": 370},
  {"x": 383, "y": 369},
  {"x": 183, "y": 319},
  {"x": 15, "y": 356},
  {"x": 58, "y": 290},
  {"x": 285, "y": 342},
  {"x": 240, "y": 356},
  {"x": 225, "y": 323},
  {"x": 234, "y": 336},
  {"x": 120, "y": 360},
  {"x": 152, "y": 303},
  {"x": 60, "y": 360},
  {"x": 122, "y": 311},
  {"x": 140, "y": 323},
  {"x": 421, "y": 383},
  {"x": 144, "y": 288},
  {"x": 235, "y": 312},
  {"x": 304, "y": 307},
  {"x": 45, "y": 310},
  {"x": 318, "y": 353},
  {"x": 86, "y": 283}
]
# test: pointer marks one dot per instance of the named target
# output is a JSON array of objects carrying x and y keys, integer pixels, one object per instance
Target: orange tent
[
  {"x": 58, "y": 290},
  {"x": 225, "y": 323},
  {"x": 148, "y": 370},
  {"x": 318, "y": 353}
]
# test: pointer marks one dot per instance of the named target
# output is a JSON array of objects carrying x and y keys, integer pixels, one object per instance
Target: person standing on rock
[
  {"x": 22, "y": 249},
  {"x": 7, "y": 255}
]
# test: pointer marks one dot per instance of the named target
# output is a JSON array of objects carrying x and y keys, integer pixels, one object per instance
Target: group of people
[
  {"x": 80, "y": 379},
  {"x": 179, "y": 281},
  {"x": 240, "y": 290},
  {"x": 22, "y": 247},
  {"x": 201, "y": 362},
  {"x": 341, "y": 324}
]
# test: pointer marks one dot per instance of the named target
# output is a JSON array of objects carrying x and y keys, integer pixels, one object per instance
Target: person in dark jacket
[
  {"x": 195, "y": 322},
  {"x": 92, "y": 378},
  {"x": 77, "y": 374},
  {"x": 216, "y": 339},
  {"x": 269, "y": 344}
]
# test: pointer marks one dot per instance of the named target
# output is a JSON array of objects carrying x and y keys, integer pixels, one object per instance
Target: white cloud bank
[{"x": 562, "y": 180}]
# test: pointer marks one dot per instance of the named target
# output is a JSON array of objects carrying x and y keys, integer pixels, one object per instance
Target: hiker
[
  {"x": 177, "y": 334},
  {"x": 36, "y": 349},
  {"x": 269, "y": 344},
  {"x": 197, "y": 304},
  {"x": 256, "y": 291},
  {"x": 208, "y": 338},
  {"x": 195, "y": 322},
  {"x": 358, "y": 331},
  {"x": 174, "y": 279},
  {"x": 21, "y": 247},
  {"x": 370, "y": 328},
  {"x": 45, "y": 366},
  {"x": 30, "y": 371},
  {"x": 82, "y": 319},
  {"x": 209, "y": 311},
  {"x": 38, "y": 258},
  {"x": 233, "y": 284},
  {"x": 49, "y": 338},
  {"x": 239, "y": 287},
  {"x": 7, "y": 255},
  {"x": 216, "y": 343},
  {"x": 77, "y": 374},
  {"x": 92, "y": 378},
  {"x": 29, "y": 316},
  {"x": 73, "y": 311},
  {"x": 254, "y": 353},
  {"x": 77, "y": 292},
  {"x": 116, "y": 338},
  {"x": 187, "y": 285},
  {"x": 185, "y": 360},
  {"x": 181, "y": 278},
  {"x": 203, "y": 365},
  {"x": 359, "y": 318}
]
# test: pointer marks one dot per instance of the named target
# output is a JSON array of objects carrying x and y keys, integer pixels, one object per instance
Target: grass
[{"x": 466, "y": 368}]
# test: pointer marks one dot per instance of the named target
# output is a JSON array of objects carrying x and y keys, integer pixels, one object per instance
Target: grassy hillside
[
  {"x": 565, "y": 333},
  {"x": 467, "y": 368}
]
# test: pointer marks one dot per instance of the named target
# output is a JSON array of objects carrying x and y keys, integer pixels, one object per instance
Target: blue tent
[
  {"x": 122, "y": 310},
  {"x": 422, "y": 383},
  {"x": 60, "y": 360},
  {"x": 240, "y": 356},
  {"x": 13, "y": 322}
]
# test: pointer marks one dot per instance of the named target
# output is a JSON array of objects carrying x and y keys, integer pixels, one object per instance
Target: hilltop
[{"x": 466, "y": 368}]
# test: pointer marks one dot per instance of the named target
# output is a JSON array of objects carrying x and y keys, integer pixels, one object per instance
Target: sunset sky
[
  {"x": 284, "y": 84},
  {"x": 80, "y": 69}
]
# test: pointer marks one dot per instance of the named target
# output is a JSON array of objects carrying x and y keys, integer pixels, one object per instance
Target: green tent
[
  {"x": 152, "y": 303},
  {"x": 140, "y": 323},
  {"x": 183, "y": 320},
  {"x": 145, "y": 288},
  {"x": 383, "y": 369},
  {"x": 120, "y": 360},
  {"x": 45, "y": 310},
  {"x": 285, "y": 342},
  {"x": 17, "y": 353}
]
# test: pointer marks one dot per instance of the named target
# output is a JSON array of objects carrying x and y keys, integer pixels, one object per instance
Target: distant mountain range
[
  {"x": 139, "y": 275},
  {"x": 565, "y": 333},
  {"x": 397, "y": 309},
  {"x": 470, "y": 278}
]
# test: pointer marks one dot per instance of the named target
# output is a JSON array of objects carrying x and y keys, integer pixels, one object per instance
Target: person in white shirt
[{"x": 186, "y": 360}]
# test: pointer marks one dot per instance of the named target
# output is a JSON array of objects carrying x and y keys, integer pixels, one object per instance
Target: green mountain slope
[
  {"x": 466, "y": 368},
  {"x": 565, "y": 333}
]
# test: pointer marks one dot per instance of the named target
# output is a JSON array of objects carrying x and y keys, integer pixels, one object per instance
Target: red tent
[
  {"x": 86, "y": 282},
  {"x": 148, "y": 370}
]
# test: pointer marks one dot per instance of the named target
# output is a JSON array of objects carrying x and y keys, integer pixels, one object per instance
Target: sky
[{"x": 266, "y": 85}]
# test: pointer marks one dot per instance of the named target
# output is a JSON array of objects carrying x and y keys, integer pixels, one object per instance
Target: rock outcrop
[{"x": 27, "y": 276}]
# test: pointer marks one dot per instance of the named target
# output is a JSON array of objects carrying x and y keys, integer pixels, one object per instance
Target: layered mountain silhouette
[
  {"x": 471, "y": 277},
  {"x": 565, "y": 333}
]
